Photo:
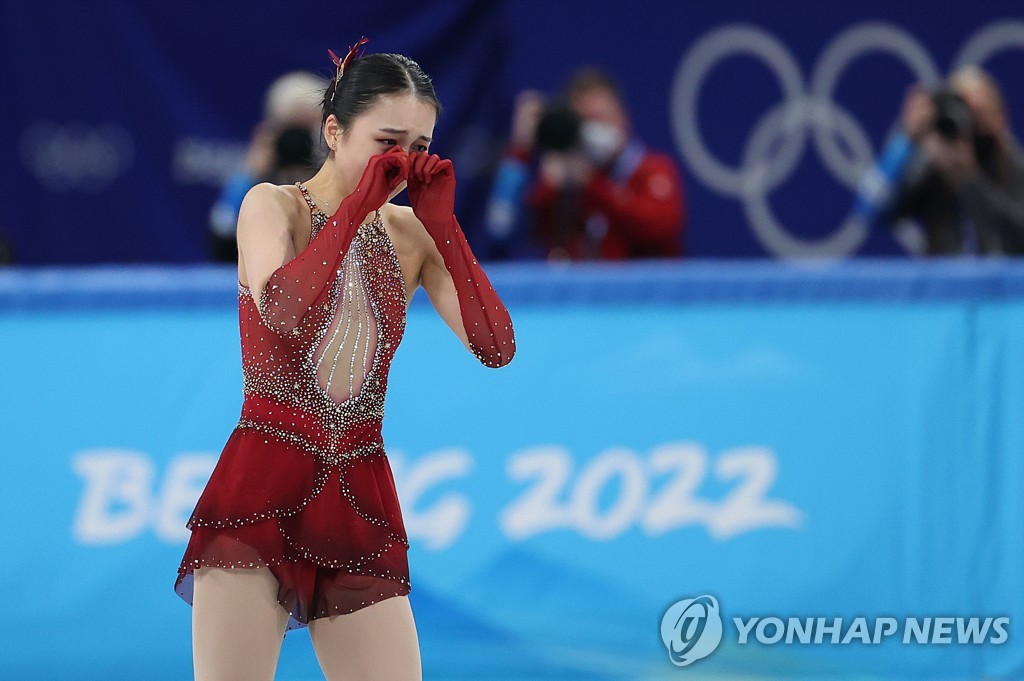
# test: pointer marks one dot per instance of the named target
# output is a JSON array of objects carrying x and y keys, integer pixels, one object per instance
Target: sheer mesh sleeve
[
  {"x": 298, "y": 285},
  {"x": 486, "y": 321},
  {"x": 485, "y": 318}
]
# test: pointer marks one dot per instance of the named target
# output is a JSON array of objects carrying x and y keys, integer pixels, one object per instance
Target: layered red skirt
[{"x": 319, "y": 509}]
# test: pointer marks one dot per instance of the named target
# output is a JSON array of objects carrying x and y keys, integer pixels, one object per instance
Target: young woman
[{"x": 300, "y": 523}]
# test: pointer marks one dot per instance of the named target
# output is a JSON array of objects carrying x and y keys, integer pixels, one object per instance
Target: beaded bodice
[{"x": 331, "y": 370}]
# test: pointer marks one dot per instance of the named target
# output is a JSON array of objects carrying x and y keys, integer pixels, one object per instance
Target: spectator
[
  {"x": 965, "y": 180},
  {"x": 600, "y": 192},
  {"x": 281, "y": 151}
]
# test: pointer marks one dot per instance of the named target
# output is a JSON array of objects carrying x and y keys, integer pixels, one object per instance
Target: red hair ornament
[{"x": 342, "y": 64}]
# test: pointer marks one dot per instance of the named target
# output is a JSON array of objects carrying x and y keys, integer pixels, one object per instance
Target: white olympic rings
[{"x": 778, "y": 140}]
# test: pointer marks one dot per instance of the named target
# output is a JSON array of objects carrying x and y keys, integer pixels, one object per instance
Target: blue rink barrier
[{"x": 833, "y": 452}]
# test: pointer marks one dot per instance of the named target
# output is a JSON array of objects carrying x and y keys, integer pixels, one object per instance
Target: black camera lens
[
  {"x": 558, "y": 129},
  {"x": 294, "y": 146},
  {"x": 952, "y": 116}
]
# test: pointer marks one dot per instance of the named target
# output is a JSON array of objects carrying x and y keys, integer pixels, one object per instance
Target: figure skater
[{"x": 300, "y": 524}]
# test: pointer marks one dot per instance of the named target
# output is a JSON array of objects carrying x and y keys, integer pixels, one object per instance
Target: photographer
[
  {"x": 281, "y": 151},
  {"x": 965, "y": 179},
  {"x": 600, "y": 193}
]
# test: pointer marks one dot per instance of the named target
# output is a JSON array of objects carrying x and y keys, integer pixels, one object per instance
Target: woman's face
[{"x": 402, "y": 119}]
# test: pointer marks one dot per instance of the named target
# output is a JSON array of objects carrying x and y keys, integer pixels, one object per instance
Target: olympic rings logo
[{"x": 779, "y": 138}]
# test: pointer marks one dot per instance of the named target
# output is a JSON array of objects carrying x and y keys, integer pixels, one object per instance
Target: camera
[
  {"x": 293, "y": 155},
  {"x": 952, "y": 115},
  {"x": 293, "y": 146},
  {"x": 558, "y": 129}
]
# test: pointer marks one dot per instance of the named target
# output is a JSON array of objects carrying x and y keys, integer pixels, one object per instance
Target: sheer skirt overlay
[{"x": 303, "y": 487}]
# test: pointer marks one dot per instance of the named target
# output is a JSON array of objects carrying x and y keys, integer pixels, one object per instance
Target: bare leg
[
  {"x": 237, "y": 624},
  {"x": 375, "y": 643}
]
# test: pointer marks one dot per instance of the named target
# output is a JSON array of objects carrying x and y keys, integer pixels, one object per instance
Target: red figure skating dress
[{"x": 303, "y": 486}]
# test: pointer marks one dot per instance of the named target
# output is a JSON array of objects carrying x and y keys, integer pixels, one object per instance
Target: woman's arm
[
  {"x": 452, "y": 276},
  {"x": 439, "y": 286},
  {"x": 286, "y": 286},
  {"x": 264, "y": 240},
  {"x": 471, "y": 308}
]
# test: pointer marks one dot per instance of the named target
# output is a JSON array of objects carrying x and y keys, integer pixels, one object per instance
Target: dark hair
[
  {"x": 370, "y": 77},
  {"x": 588, "y": 78}
]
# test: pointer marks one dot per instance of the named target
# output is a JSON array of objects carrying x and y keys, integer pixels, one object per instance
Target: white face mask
[{"x": 600, "y": 141}]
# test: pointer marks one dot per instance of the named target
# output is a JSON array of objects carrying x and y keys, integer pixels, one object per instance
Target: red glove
[
  {"x": 430, "y": 174},
  {"x": 432, "y": 197},
  {"x": 298, "y": 285},
  {"x": 382, "y": 174}
]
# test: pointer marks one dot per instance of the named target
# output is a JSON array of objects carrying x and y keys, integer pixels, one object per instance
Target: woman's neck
[
  {"x": 329, "y": 190},
  {"x": 328, "y": 187}
]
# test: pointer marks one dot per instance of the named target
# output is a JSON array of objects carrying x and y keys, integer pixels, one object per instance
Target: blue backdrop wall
[
  {"x": 805, "y": 442},
  {"x": 124, "y": 116}
]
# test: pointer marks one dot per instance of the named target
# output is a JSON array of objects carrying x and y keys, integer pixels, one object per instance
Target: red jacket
[{"x": 643, "y": 216}]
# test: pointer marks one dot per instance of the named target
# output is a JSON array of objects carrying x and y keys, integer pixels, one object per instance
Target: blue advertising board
[{"x": 798, "y": 443}]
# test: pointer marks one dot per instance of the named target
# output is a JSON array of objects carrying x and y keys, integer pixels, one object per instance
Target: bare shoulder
[
  {"x": 407, "y": 228},
  {"x": 267, "y": 204},
  {"x": 404, "y": 219}
]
